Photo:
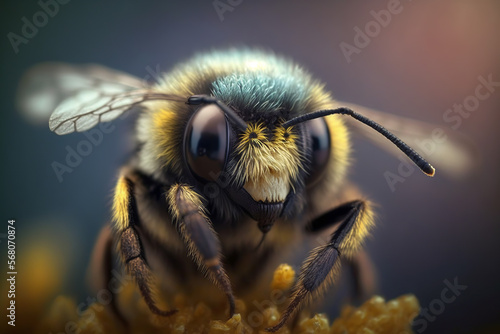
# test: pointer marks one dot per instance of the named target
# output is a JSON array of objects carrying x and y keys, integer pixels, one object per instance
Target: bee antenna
[
  {"x": 233, "y": 117},
  {"x": 410, "y": 153}
]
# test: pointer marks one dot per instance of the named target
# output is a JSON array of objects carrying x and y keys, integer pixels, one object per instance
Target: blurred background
[{"x": 428, "y": 57}]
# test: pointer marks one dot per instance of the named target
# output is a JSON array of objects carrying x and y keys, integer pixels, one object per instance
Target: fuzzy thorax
[{"x": 269, "y": 163}]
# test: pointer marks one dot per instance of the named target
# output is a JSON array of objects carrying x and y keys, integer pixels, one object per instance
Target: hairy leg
[
  {"x": 322, "y": 266},
  {"x": 196, "y": 230},
  {"x": 126, "y": 220}
]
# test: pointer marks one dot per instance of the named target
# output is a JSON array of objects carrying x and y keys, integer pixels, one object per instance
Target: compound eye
[
  {"x": 320, "y": 147},
  {"x": 206, "y": 142}
]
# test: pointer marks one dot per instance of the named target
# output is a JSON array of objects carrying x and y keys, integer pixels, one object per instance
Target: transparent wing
[
  {"x": 79, "y": 97},
  {"x": 88, "y": 108},
  {"x": 46, "y": 85},
  {"x": 449, "y": 151}
]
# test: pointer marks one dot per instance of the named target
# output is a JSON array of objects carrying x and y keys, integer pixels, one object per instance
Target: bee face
[
  {"x": 262, "y": 165},
  {"x": 265, "y": 164}
]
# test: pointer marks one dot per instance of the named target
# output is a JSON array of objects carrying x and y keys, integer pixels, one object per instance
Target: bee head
[
  {"x": 259, "y": 134},
  {"x": 264, "y": 158},
  {"x": 263, "y": 163}
]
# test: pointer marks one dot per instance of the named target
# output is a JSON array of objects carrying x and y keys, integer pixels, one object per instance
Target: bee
[{"x": 239, "y": 153}]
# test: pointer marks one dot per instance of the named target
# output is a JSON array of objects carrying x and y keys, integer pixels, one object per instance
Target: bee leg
[
  {"x": 359, "y": 265},
  {"x": 99, "y": 275},
  {"x": 323, "y": 265},
  {"x": 196, "y": 230},
  {"x": 132, "y": 253}
]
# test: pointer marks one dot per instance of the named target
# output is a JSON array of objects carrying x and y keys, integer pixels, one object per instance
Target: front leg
[
  {"x": 196, "y": 231},
  {"x": 359, "y": 265},
  {"x": 323, "y": 265}
]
